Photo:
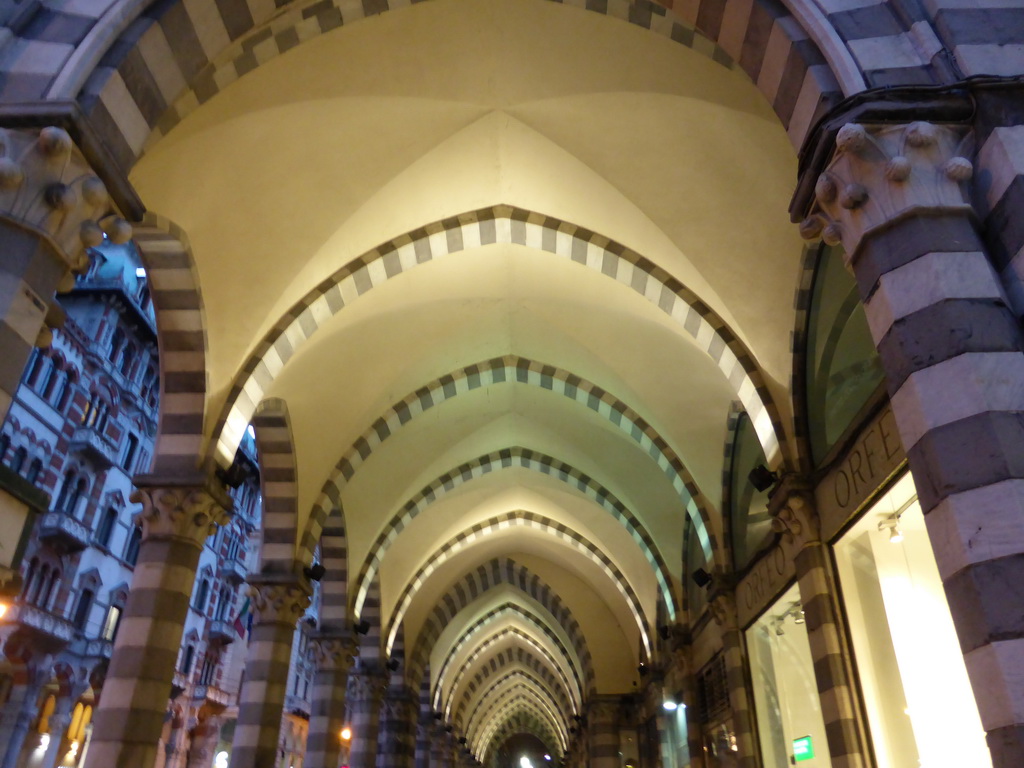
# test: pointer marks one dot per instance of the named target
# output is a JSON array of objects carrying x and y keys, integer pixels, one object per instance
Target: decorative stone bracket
[
  {"x": 794, "y": 515},
  {"x": 47, "y": 185},
  {"x": 881, "y": 173}
]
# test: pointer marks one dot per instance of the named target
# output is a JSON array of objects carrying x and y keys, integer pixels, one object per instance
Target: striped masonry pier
[
  {"x": 909, "y": 232},
  {"x": 176, "y": 520},
  {"x": 333, "y": 654},
  {"x": 278, "y": 604},
  {"x": 366, "y": 685}
]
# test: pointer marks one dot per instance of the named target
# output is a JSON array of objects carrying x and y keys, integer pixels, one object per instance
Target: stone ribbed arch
[
  {"x": 181, "y": 337},
  {"x": 522, "y": 639},
  {"x": 471, "y": 230},
  {"x": 518, "y": 719},
  {"x": 520, "y": 613},
  {"x": 507, "y": 458},
  {"x": 487, "y": 576},
  {"x": 168, "y": 61},
  {"x": 279, "y": 485},
  {"x": 515, "y": 657},
  {"x": 510, "y": 369},
  {"x": 528, "y": 520},
  {"x": 512, "y": 687}
]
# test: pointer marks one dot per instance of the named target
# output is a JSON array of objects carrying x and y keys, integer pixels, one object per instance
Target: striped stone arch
[
  {"x": 181, "y": 338},
  {"x": 502, "y": 697},
  {"x": 731, "y": 424},
  {"x": 517, "y": 719},
  {"x": 507, "y": 458},
  {"x": 572, "y": 687},
  {"x": 486, "y": 226},
  {"x": 175, "y": 56},
  {"x": 279, "y": 485},
  {"x": 510, "y": 658},
  {"x": 510, "y": 369},
  {"x": 521, "y": 613},
  {"x": 519, "y": 519},
  {"x": 487, "y": 576}
]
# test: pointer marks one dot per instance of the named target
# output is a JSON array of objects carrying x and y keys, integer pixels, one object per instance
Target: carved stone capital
[
  {"x": 398, "y": 705},
  {"x": 881, "y": 173},
  {"x": 46, "y": 185},
  {"x": 278, "y": 602},
  {"x": 190, "y": 513},
  {"x": 333, "y": 652},
  {"x": 795, "y": 517},
  {"x": 366, "y": 686},
  {"x": 723, "y": 610},
  {"x": 603, "y": 709}
]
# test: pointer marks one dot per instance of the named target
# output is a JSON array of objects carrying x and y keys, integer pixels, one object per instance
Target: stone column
[
  {"x": 205, "y": 736},
  {"x": 422, "y": 748},
  {"x": 332, "y": 654},
  {"x": 723, "y": 609},
  {"x": 176, "y": 520},
  {"x": 396, "y": 725},
  {"x": 278, "y": 604},
  {"x": 60, "y": 720},
  {"x": 895, "y": 197},
  {"x": 365, "y": 691},
  {"x": 794, "y": 516},
  {"x": 22, "y": 708},
  {"x": 51, "y": 207},
  {"x": 603, "y": 731},
  {"x": 440, "y": 753}
]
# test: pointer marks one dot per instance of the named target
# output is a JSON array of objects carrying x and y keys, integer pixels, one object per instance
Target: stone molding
[
  {"x": 48, "y": 186},
  {"x": 333, "y": 652},
  {"x": 278, "y": 602},
  {"x": 723, "y": 610},
  {"x": 794, "y": 515},
  {"x": 366, "y": 686},
  {"x": 881, "y": 173},
  {"x": 188, "y": 513}
]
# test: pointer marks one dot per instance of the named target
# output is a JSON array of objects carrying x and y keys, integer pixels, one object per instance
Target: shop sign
[
  {"x": 803, "y": 749},
  {"x": 769, "y": 576},
  {"x": 871, "y": 460}
]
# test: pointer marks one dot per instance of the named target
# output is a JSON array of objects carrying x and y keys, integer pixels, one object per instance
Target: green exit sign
[{"x": 803, "y": 749}]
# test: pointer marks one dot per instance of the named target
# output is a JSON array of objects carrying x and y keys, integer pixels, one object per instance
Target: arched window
[
  {"x": 34, "y": 470},
  {"x": 76, "y": 500},
  {"x": 83, "y": 609},
  {"x": 35, "y": 363},
  {"x": 131, "y": 552},
  {"x": 5, "y": 443},
  {"x": 116, "y": 342},
  {"x": 187, "y": 658},
  {"x": 224, "y": 604},
  {"x": 18, "y": 461},
  {"x": 65, "y": 490},
  {"x": 106, "y": 529},
  {"x": 63, "y": 396},
  {"x": 203, "y": 595},
  {"x": 31, "y": 580},
  {"x": 55, "y": 377},
  {"x": 42, "y": 382},
  {"x": 127, "y": 358},
  {"x": 49, "y": 592},
  {"x": 112, "y": 623}
]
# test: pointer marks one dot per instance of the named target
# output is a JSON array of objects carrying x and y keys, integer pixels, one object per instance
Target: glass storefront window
[
  {"x": 750, "y": 524},
  {"x": 789, "y": 721},
  {"x": 843, "y": 369},
  {"x": 920, "y": 706}
]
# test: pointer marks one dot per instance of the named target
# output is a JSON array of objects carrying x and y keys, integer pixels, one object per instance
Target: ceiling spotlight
[
  {"x": 642, "y": 669},
  {"x": 798, "y": 616},
  {"x": 393, "y": 664},
  {"x": 362, "y": 627},
  {"x": 701, "y": 577},
  {"x": 669, "y": 706},
  {"x": 665, "y": 631},
  {"x": 892, "y": 524}
]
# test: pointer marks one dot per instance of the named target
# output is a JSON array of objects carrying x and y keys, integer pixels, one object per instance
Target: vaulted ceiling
[{"x": 510, "y": 264}]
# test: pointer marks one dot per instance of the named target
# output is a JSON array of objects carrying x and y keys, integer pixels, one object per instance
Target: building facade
[
  {"x": 82, "y": 423},
  {"x": 630, "y": 383}
]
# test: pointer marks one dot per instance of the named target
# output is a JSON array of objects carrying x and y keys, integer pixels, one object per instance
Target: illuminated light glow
[
  {"x": 140, "y": 271},
  {"x": 547, "y": 756},
  {"x": 250, "y": 432},
  {"x": 525, "y": 762},
  {"x": 44, "y": 742},
  {"x": 3, "y": 609},
  {"x": 346, "y": 733},
  {"x": 803, "y": 749},
  {"x": 670, "y": 706},
  {"x": 221, "y": 761}
]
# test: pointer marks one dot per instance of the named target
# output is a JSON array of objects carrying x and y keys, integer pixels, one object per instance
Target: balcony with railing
[
  {"x": 233, "y": 570},
  {"x": 222, "y": 632},
  {"x": 212, "y": 694},
  {"x": 95, "y": 446},
  {"x": 296, "y": 705},
  {"x": 62, "y": 532},
  {"x": 44, "y": 630}
]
